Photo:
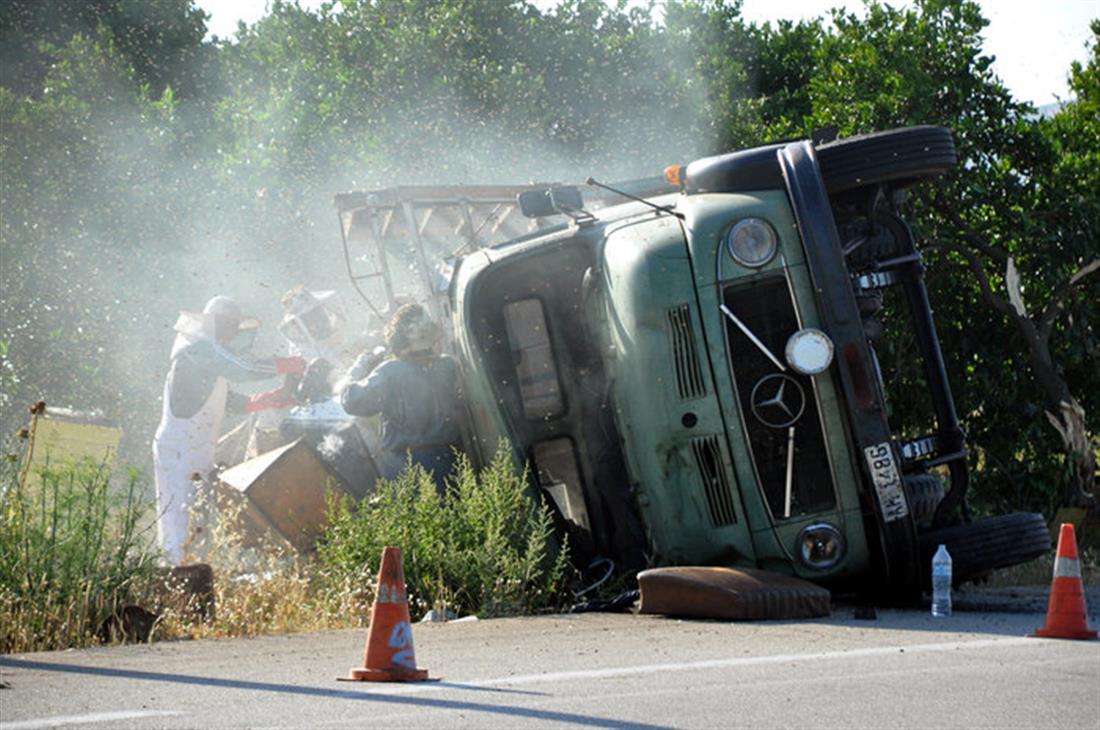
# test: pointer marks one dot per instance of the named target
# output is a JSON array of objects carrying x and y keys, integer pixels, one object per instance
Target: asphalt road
[{"x": 901, "y": 670}]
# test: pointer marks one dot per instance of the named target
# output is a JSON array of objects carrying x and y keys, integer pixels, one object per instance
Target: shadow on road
[{"x": 322, "y": 692}]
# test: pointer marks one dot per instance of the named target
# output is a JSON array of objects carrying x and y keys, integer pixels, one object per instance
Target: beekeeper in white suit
[
  {"x": 314, "y": 327},
  {"x": 196, "y": 396}
]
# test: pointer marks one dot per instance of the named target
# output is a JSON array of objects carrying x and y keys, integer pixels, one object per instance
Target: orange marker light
[{"x": 675, "y": 175}]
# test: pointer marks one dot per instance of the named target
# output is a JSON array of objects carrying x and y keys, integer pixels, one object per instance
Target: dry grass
[
  {"x": 265, "y": 588},
  {"x": 254, "y": 605},
  {"x": 1040, "y": 571}
]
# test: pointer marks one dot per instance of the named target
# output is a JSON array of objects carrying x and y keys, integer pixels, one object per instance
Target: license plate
[{"x": 884, "y": 474}]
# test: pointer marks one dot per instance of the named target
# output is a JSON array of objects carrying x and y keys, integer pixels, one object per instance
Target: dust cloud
[{"x": 133, "y": 209}]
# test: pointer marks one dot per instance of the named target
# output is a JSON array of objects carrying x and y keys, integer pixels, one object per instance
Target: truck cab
[{"x": 687, "y": 365}]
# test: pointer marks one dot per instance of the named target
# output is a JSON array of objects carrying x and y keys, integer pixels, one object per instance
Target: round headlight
[
  {"x": 820, "y": 545},
  {"x": 810, "y": 351},
  {"x": 752, "y": 242}
]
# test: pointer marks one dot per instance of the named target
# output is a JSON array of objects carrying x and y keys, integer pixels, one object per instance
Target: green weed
[
  {"x": 73, "y": 552},
  {"x": 485, "y": 546}
]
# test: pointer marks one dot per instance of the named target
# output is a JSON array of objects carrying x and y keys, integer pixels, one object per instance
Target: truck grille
[
  {"x": 685, "y": 354},
  {"x": 767, "y": 310},
  {"x": 712, "y": 472}
]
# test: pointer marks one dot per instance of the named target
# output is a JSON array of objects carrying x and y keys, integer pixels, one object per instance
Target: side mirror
[
  {"x": 551, "y": 201},
  {"x": 566, "y": 198},
  {"x": 535, "y": 203}
]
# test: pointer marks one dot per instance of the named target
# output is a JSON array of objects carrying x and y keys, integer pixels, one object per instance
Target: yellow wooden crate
[{"x": 63, "y": 436}]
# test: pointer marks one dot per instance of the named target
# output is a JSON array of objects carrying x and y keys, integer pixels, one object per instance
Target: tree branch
[
  {"x": 988, "y": 294},
  {"x": 1058, "y": 296},
  {"x": 967, "y": 234}
]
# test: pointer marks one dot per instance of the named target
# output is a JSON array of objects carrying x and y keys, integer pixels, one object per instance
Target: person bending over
[{"x": 417, "y": 394}]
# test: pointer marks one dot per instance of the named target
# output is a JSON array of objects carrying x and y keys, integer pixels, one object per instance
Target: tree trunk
[
  {"x": 1067, "y": 416},
  {"x": 1062, "y": 410},
  {"x": 1080, "y": 484}
]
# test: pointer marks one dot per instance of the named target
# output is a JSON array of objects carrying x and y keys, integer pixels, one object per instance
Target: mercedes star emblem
[{"x": 778, "y": 400}]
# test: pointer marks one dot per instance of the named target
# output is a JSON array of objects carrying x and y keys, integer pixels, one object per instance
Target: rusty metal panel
[
  {"x": 432, "y": 194},
  {"x": 740, "y": 594}
]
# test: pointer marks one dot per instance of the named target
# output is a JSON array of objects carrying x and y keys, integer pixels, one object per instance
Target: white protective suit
[
  {"x": 183, "y": 453},
  {"x": 183, "y": 447}
]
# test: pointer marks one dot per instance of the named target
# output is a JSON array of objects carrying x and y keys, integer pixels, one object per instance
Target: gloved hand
[
  {"x": 277, "y": 399},
  {"x": 315, "y": 384},
  {"x": 377, "y": 355},
  {"x": 290, "y": 365}
]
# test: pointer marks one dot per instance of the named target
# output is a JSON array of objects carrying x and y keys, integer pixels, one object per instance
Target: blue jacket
[{"x": 418, "y": 402}]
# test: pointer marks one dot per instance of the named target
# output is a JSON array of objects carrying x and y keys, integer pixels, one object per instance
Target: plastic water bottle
[{"x": 941, "y": 582}]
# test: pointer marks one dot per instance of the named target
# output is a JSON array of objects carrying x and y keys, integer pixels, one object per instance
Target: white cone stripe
[{"x": 1067, "y": 568}]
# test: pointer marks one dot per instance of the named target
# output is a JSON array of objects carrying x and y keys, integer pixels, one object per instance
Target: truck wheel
[
  {"x": 924, "y": 492},
  {"x": 901, "y": 156},
  {"x": 987, "y": 544}
]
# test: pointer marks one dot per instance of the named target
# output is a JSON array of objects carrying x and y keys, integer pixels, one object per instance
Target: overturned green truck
[{"x": 687, "y": 364}]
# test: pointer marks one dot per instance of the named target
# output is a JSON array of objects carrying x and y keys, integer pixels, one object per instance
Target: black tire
[
  {"x": 901, "y": 156},
  {"x": 924, "y": 492},
  {"x": 987, "y": 544}
]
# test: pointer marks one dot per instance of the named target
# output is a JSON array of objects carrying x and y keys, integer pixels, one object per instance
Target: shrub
[
  {"x": 485, "y": 546},
  {"x": 73, "y": 552}
]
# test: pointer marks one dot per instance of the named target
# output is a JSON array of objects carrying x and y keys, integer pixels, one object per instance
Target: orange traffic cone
[
  {"x": 1066, "y": 614},
  {"x": 389, "y": 655}
]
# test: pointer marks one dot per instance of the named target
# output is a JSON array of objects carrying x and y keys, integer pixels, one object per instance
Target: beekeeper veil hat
[{"x": 221, "y": 319}]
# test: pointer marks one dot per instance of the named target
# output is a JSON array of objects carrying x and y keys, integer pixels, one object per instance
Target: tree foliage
[
  {"x": 1020, "y": 193},
  {"x": 160, "y": 40},
  {"x": 145, "y": 169}
]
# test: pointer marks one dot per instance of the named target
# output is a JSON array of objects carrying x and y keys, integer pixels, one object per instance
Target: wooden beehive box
[{"x": 284, "y": 489}]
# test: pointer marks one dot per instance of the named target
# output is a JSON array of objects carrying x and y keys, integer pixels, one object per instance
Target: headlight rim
[
  {"x": 841, "y": 545},
  {"x": 747, "y": 261}
]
